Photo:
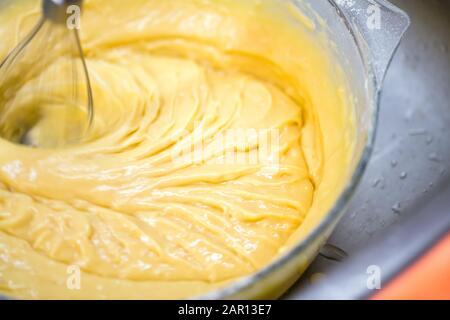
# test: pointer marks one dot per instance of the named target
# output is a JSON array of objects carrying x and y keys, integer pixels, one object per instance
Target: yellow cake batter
[{"x": 168, "y": 75}]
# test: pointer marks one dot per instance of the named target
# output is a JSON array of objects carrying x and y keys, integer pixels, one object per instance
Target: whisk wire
[
  {"x": 90, "y": 98},
  {"x": 40, "y": 85},
  {"x": 11, "y": 57}
]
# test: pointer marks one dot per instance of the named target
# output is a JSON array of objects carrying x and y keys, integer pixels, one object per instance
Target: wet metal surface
[{"x": 411, "y": 162}]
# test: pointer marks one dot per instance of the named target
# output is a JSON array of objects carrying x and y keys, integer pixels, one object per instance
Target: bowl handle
[{"x": 378, "y": 27}]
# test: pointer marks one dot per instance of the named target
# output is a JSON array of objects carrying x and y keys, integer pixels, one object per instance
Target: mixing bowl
[{"x": 361, "y": 37}]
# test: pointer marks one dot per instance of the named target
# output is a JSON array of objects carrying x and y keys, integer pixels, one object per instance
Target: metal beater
[{"x": 45, "y": 92}]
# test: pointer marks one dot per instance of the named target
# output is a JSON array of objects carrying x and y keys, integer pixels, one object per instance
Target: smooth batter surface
[{"x": 166, "y": 76}]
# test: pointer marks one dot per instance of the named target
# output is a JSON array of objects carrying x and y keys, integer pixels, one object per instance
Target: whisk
[{"x": 45, "y": 92}]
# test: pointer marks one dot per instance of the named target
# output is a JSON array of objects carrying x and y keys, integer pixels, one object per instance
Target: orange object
[{"x": 427, "y": 279}]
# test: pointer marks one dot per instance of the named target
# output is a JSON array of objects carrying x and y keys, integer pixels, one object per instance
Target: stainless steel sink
[{"x": 411, "y": 163}]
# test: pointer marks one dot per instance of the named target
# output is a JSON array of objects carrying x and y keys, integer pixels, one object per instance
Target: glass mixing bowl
[{"x": 365, "y": 34}]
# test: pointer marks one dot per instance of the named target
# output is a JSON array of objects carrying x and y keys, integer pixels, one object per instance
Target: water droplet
[
  {"x": 376, "y": 182},
  {"x": 394, "y": 163},
  {"x": 434, "y": 157},
  {"x": 397, "y": 208},
  {"x": 408, "y": 114},
  {"x": 403, "y": 175},
  {"x": 429, "y": 140}
]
